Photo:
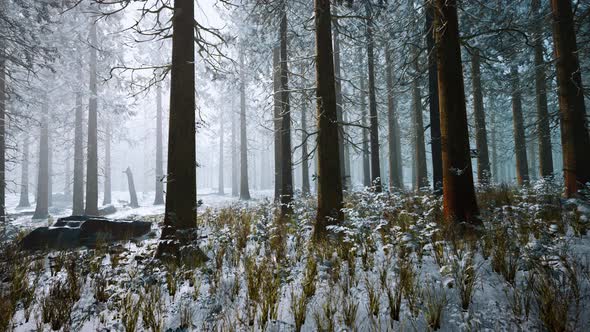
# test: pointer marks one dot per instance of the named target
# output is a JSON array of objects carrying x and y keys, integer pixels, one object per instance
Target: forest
[{"x": 294, "y": 165}]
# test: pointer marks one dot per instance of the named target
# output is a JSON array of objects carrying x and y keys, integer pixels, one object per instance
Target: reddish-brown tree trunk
[
  {"x": 459, "y": 202},
  {"x": 572, "y": 112}
]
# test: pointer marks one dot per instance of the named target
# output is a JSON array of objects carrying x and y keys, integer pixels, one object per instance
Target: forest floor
[{"x": 395, "y": 267}]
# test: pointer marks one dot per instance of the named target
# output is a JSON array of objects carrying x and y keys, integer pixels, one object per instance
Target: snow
[{"x": 218, "y": 307}]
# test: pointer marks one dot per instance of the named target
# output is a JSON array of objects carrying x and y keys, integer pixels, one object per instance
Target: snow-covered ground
[
  {"x": 527, "y": 271},
  {"x": 21, "y": 217}
]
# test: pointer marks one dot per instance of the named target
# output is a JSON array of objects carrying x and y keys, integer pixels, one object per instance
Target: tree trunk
[
  {"x": 305, "y": 187},
  {"x": 132, "y": 193},
  {"x": 543, "y": 130},
  {"x": 107, "y": 165},
  {"x": 365, "y": 131},
  {"x": 532, "y": 151},
  {"x": 435, "y": 145},
  {"x": 329, "y": 174},
  {"x": 68, "y": 177},
  {"x": 42, "y": 206},
  {"x": 494, "y": 148},
  {"x": 220, "y": 183},
  {"x": 3, "y": 99},
  {"x": 286, "y": 158},
  {"x": 24, "y": 179},
  {"x": 159, "y": 195},
  {"x": 181, "y": 194},
  {"x": 244, "y": 189},
  {"x": 276, "y": 72},
  {"x": 421, "y": 174},
  {"x": 234, "y": 153},
  {"x": 459, "y": 202},
  {"x": 339, "y": 101},
  {"x": 394, "y": 153},
  {"x": 374, "y": 124},
  {"x": 50, "y": 172},
  {"x": 92, "y": 147},
  {"x": 78, "y": 190},
  {"x": 522, "y": 170},
  {"x": 481, "y": 139},
  {"x": 572, "y": 112}
]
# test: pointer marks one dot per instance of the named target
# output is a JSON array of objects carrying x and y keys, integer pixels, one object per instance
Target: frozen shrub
[
  {"x": 298, "y": 309},
  {"x": 152, "y": 308},
  {"x": 130, "y": 308},
  {"x": 435, "y": 300}
]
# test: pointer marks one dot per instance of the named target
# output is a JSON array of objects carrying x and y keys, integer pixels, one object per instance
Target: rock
[
  {"x": 75, "y": 231},
  {"x": 106, "y": 210},
  {"x": 101, "y": 229},
  {"x": 51, "y": 238}
]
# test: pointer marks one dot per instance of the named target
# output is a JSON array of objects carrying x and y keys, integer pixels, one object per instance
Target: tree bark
[
  {"x": 3, "y": 99},
  {"x": 276, "y": 72},
  {"x": 481, "y": 139},
  {"x": 244, "y": 188},
  {"x": 220, "y": 184},
  {"x": 305, "y": 187},
  {"x": 78, "y": 188},
  {"x": 286, "y": 157},
  {"x": 159, "y": 195},
  {"x": 374, "y": 125},
  {"x": 24, "y": 179},
  {"x": 435, "y": 145},
  {"x": 421, "y": 174},
  {"x": 339, "y": 101},
  {"x": 543, "y": 130},
  {"x": 459, "y": 202},
  {"x": 329, "y": 173},
  {"x": 494, "y": 163},
  {"x": 572, "y": 112},
  {"x": 67, "y": 178},
  {"x": 365, "y": 131},
  {"x": 181, "y": 194},
  {"x": 391, "y": 123},
  {"x": 107, "y": 165},
  {"x": 132, "y": 193},
  {"x": 92, "y": 146},
  {"x": 234, "y": 153},
  {"x": 522, "y": 170},
  {"x": 42, "y": 205}
]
